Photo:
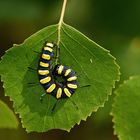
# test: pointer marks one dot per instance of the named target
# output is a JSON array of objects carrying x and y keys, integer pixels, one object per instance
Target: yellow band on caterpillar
[
  {"x": 45, "y": 80},
  {"x": 44, "y": 64},
  {"x": 60, "y": 69},
  {"x": 67, "y": 72},
  {"x": 51, "y": 88},
  {"x": 67, "y": 92},
  {"x": 72, "y": 86},
  {"x": 48, "y": 49},
  {"x": 72, "y": 78},
  {"x": 49, "y": 44},
  {"x": 59, "y": 93},
  {"x": 43, "y": 72},
  {"x": 46, "y": 56}
]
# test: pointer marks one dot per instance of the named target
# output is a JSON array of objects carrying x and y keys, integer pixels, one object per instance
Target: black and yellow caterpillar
[{"x": 47, "y": 74}]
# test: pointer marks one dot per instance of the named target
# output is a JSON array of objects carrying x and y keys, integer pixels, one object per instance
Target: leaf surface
[
  {"x": 92, "y": 63},
  {"x": 7, "y": 117},
  {"x": 126, "y": 110}
]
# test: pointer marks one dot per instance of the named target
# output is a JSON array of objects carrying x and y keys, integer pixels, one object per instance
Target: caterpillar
[{"x": 48, "y": 75}]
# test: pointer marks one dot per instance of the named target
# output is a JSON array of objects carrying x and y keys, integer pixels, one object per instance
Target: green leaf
[
  {"x": 7, "y": 117},
  {"x": 93, "y": 65},
  {"x": 126, "y": 110}
]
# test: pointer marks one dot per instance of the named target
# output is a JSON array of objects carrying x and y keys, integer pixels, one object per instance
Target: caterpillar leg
[
  {"x": 33, "y": 69},
  {"x": 74, "y": 103},
  {"x": 42, "y": 96},
  {"x": 33, "y": 84},
  {"x": 36, "y": 52},
  {"x": 53, "y": 108},
  {"x": 84, "y": 86}
]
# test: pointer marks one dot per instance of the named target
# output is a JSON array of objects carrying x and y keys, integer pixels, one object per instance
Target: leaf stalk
[{"x": 59, "y": 29}]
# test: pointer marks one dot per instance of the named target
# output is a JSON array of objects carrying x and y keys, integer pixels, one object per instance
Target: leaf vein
[
  {"x": 75, "y": 59},
  {"x": 85, "y": 48},
  {"x": 79, "y": 43}
]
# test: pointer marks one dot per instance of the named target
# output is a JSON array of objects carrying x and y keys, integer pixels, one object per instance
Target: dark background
[{"x": 115, "y": 25}]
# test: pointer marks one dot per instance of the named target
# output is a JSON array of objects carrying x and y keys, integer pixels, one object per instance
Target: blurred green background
[{"x": 115, "y": 25}]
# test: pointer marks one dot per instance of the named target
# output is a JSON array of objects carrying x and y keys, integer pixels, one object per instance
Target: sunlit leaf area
[{"x": 125, "y": 110}]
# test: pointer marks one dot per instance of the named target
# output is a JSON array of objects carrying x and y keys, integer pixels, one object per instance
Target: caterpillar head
[{"x": 50, "y": 44}]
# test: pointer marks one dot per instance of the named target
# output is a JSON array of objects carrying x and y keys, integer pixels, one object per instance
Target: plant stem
[
  {"x": 61, "y": 20},
  {"x": 59, "y": 29}
]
